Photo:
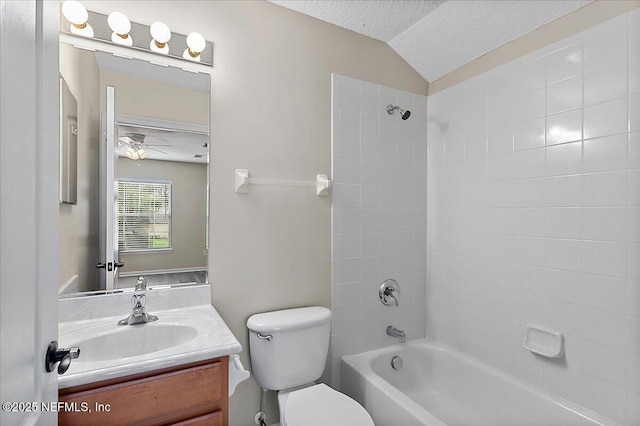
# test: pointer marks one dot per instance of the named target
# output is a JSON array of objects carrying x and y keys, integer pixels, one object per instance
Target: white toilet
[{"x": 288, "y": 353}]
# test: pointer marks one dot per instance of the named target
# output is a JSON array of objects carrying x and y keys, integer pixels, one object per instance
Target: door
[
  {"x": 109, "y": 196},
  {"x": 29, "y": 152}
]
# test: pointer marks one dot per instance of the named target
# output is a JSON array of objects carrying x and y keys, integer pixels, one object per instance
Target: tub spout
[{"x": 397, "y": 333}]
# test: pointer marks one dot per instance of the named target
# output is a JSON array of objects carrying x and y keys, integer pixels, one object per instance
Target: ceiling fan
[{"x": 136, "y": 146}]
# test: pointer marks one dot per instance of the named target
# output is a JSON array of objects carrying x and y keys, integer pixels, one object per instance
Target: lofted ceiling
[{"x": 438, "y": 36}]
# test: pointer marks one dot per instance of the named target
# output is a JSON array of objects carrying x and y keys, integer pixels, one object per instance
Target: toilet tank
[{"x": 297, "y": 351}]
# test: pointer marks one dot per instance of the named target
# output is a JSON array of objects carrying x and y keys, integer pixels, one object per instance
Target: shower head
[{"x": 404, "y": 114}]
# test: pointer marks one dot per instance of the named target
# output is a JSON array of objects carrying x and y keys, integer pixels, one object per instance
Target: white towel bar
[{"x": 242, "y": 182}]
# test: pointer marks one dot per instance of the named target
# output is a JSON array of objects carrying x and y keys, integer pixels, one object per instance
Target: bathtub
[{"x": 439, "y": 386}]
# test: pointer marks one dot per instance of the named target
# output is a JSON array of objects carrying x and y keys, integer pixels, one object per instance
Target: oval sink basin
[{"x": 132, "y": 340}]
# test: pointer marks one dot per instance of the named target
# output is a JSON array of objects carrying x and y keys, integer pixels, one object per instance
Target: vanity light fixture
[
  {"x": 161, "y": 34},
  {"x": 78, "y": 16},
  {"x": 120, "y": 25},
  {"x": 195, "y": 44}
]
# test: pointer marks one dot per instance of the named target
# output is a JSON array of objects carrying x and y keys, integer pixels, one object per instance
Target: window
[{"x": 144, "y": 216}]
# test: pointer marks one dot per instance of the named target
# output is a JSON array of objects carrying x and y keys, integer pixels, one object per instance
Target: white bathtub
[{"x": 440, "y": 386}]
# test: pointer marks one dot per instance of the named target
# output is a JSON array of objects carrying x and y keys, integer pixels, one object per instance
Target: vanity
[{"x": 171, "y": 371}]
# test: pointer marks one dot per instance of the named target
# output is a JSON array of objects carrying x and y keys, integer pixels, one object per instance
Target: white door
[{"x": 29, "y": 149}]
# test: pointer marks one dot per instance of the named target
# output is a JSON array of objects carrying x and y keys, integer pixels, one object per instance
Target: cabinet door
[{"x": 161, "y": 399}]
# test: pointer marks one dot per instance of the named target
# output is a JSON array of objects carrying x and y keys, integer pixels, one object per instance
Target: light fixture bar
[
  {"x": 141, "y": 38},
  {"x": 118, "y": 50}
]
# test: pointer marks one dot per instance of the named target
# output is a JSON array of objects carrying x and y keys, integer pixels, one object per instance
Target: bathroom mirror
[{"x": 142, "y": 174}]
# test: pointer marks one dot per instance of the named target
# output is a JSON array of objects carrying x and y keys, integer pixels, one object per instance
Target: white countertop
[{"x": 209, "y": 337}]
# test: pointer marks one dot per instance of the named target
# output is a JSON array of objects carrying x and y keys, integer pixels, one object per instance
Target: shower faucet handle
[{"x": 389, "y": 289}]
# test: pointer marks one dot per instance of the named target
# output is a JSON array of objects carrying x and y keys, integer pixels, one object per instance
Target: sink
[
  {"x": 108, "y": 350},
  {"x": 130, "y": 341}
]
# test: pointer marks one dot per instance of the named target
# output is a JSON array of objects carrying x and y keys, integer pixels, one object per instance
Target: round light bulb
[
  {"x": 120, "y": 25},
  {"x": 196, "y": 44},
  {"x": 160, "y": 32},
  {"x": 75, "y": 12},
  {"x": 161, "y": 35}
]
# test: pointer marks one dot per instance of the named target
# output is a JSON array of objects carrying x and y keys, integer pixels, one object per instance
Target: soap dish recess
[{"x": 544, "y": 341}]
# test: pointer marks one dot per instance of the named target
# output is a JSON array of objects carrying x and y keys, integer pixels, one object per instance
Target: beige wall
[
  {"x": 145, "y": 98},
  {"x": 579, "y": 20},
  {"x": 188, "y": 188},
  {"x": 79, "y": 223},
  {"x": 271, "y": 113}
]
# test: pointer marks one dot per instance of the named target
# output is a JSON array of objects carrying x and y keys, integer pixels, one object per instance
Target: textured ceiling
[
  {"x": 379, "y": 19},
  {"x": 435, "y": 37}
]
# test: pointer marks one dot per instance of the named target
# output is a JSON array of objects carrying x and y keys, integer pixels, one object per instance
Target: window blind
[{"x": 144, "y": 216}]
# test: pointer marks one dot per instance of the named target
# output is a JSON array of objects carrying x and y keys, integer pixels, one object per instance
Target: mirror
[
  {"x": 68, "y": 145},
  {"x": 142, "y": 199}
]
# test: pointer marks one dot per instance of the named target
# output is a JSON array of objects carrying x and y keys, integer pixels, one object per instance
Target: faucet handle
[
  {"x": 138, "y": 300},
  {"x": 389, "y": 289},
  {"x": 393, "y": 294}
]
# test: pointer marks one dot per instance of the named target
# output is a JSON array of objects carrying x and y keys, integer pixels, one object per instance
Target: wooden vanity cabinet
[{"x": 192, "y": 394}]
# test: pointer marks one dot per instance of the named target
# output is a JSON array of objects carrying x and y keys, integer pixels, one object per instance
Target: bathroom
[{"x": 271, "y": 113}]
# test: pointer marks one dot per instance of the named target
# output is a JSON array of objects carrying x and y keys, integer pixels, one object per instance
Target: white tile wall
[
  {"x": 379, "y": 214},
  {"x": 534, "y": 216}
]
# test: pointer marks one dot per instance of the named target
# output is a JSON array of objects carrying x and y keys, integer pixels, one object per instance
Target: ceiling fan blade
[
  {"x": 154, "y": 149},
  {"x": 155, "y": 144},
  {"x": 126, "y": 139}
]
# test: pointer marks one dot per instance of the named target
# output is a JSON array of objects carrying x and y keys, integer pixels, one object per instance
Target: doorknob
[{"x": 61, "y": 355}]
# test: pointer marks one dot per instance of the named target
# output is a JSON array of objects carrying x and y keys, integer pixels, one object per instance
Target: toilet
[{"x": 288, "y": 353}]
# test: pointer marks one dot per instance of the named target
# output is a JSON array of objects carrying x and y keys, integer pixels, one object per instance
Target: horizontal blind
[{"x": 144, "y": 216}]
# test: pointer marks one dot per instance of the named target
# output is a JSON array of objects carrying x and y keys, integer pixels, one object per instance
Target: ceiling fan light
[
  {"x": 131, "y": 153},
  {"x": 142, "y": 153}
]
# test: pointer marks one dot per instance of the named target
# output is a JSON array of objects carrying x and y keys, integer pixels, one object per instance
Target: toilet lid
[{"x": 319, "y": 405}]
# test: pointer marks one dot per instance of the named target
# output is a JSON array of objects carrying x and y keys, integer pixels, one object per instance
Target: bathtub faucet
[{"x": 399, "y": 334}]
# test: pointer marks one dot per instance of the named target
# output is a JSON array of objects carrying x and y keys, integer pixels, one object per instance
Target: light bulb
[
  {"x": 142, "y": 154},
  {"x": 75, "y": 12},
  {"x": 78, "y": 16},
  {"x": 161, "y": 35},
  {"x": 196, "y": 44},
  {"x": 120, "y": 25},
  {"x": 131, "y": 153}
]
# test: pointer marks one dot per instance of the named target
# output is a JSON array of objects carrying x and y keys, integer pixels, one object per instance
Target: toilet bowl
[
  {"x": 319, "y": 405},
  {"x": 288, "y": 354}
]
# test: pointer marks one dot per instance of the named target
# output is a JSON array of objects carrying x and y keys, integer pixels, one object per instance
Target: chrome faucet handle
[
  {"x": 137, "y": 303},
  {"x": 393, "y": 294},
  {"x": 389, "y": 289}
]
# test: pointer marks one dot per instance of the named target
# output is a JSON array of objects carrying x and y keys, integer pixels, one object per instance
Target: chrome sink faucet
[
  {"x": 139, "y": 313},
  {"x": 397, "y": 333}
]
